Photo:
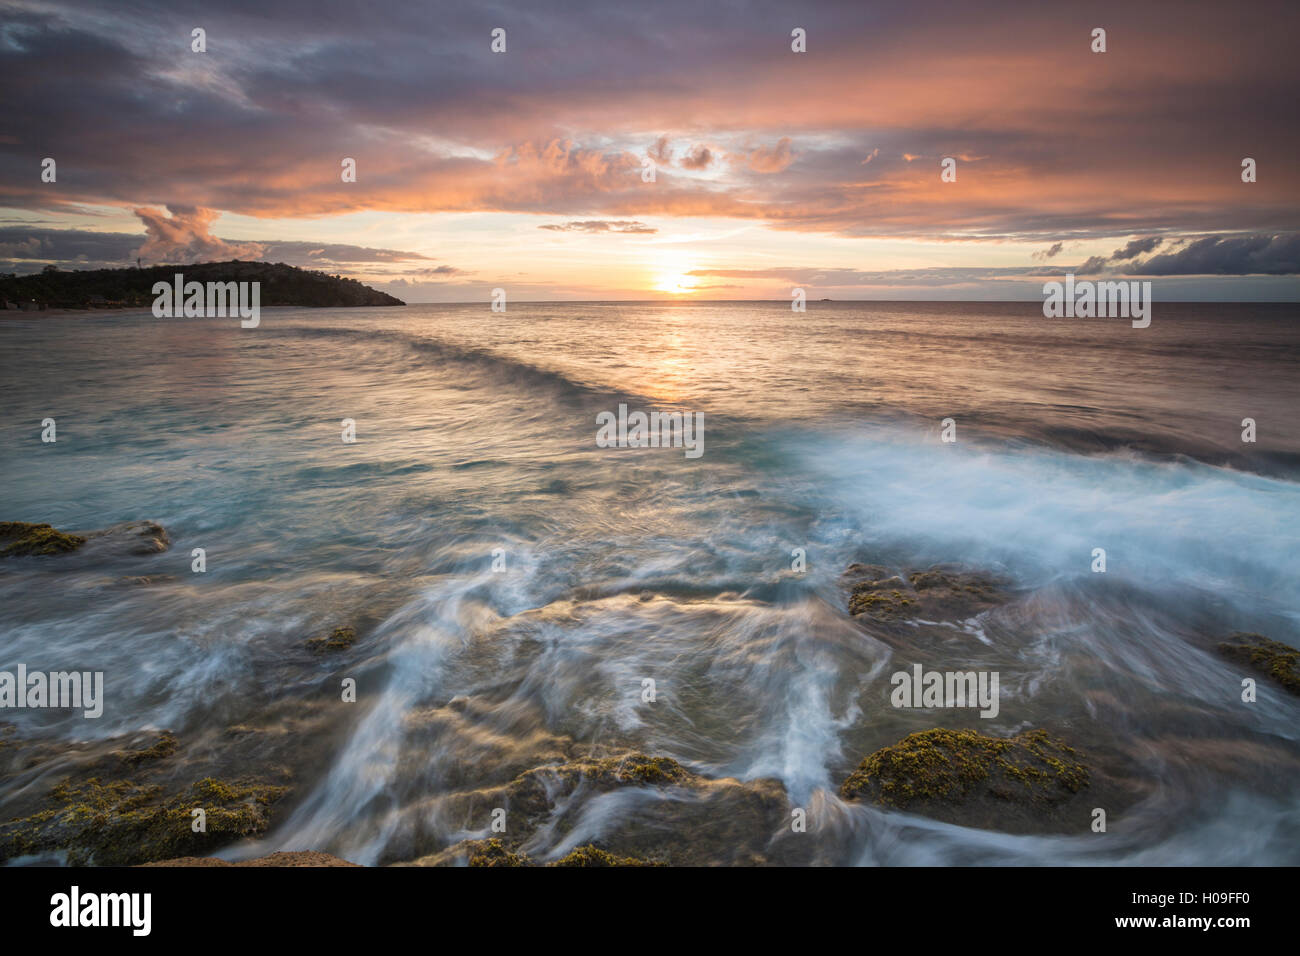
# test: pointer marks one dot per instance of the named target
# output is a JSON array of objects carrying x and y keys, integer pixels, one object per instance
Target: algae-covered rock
[
  {"x": 1279, "y": 661},
  {"x": 1020, "y": 783},
  {"x": 22, "y": 539},
  {"x": 130, "y": 538},
  {"x": 680, "y": 817},
  {"x": 938, "y": 593},
  {"x": 495, "y": 853},
  {"x": 594, "y": 856},
  {"x": 294, "y": 858},
  {"x": 340, "y": 639},
  {"x": 121, "y": 823},
  {"x": 638, "y": 768},
  {"x": 534, "y": 791},
  {"x": 165, "y": 746}
]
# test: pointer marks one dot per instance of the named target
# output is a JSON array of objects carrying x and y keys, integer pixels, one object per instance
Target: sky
[{"x": 530, "y": 169}]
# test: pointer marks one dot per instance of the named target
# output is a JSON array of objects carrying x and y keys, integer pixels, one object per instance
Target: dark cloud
[
  {"x": 438, "y": 271},
  {"x": 69, "y": 248},
  {"x": 24, "y": 249},
  {"x": 1136, "y": 248},
  {"x": 1205, "y": 255},
  {"x": 1229, "y": 255},
  {"x": 700, "y": 157},
  {"x": 306, "y": 253},
  {"x": 1050, "y": 252}
]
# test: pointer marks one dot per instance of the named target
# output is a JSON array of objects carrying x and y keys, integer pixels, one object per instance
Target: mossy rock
[
  {"x": 340, "y": 639},
  {"x": 128, "y": 539},
  {"x": 1013, "y": 783},
  {"x": 534, "y": 790},
  {"x": 122, "y": 823},
  {"x": 280, "y": 859},
  {"x": 638, "y": 768},
  {"x": 164, "y": 747},
  {"x": 1279, "y": 661},
  {"x": 594, "y": 856},
  {"x": 26, "y": 539},
  {"x": 938, "y": 593},
  {"x": 716, "y": 822},
  {"x": 495, "y": 853}
]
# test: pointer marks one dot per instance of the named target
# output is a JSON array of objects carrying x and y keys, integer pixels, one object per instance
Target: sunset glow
[{"x": 723, "y": 164}]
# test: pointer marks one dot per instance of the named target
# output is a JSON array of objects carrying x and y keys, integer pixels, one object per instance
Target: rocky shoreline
[{"x": 132, "y": 800}]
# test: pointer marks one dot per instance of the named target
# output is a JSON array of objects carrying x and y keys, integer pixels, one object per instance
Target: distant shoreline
[
  {"x": 148, "y": 310},
  {"x": 271, "y": 284}
]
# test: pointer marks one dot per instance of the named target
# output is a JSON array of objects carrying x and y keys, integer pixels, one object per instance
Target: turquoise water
[{"x": 475, "y": 446}]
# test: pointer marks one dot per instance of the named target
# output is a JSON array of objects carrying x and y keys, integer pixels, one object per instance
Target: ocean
[{"x": 513, "y": 585}]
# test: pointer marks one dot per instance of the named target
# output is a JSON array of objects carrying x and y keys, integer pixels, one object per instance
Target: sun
[
  {"x": 672, "y": 273},
  {"x": 678, "y": 283}
]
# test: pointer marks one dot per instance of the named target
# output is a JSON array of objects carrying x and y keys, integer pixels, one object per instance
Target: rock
[
  {"x": 146, "y": 580},
  {"x": 1026, "y": 783},
  {"x": 129, "y": 538},
  {"x": 693, "y": 820},
  {"x": 534, "y": 792},
  {"x": 21, "y": 539},
  {"x": 298, "y": 858},
  {"x": 1279, "y": 661},
  {"x": 340, "y": 639},
  {"x": 490, "y": 853},
  {"x": 164, "y": 747},
  {"x": 121, "y": 823},
  {"x": 494, "y": 853},
  {"x": 594, "y": 856},
  {"x": 938, "y": 593}
]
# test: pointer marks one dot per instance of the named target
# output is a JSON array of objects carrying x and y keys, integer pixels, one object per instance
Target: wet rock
[
  {"x": 121, "y": 823},
  {"x": 594, "y": 856},
  {"x": 133, "y": 538},
  {"x": 164, "y": 747},
  {"x": 130, "y": 538},
  {"x": 495, "y": 853},
  {"x": 147, "y": 580},
  {"x": 1279, "y": 661},
  {"x": 128, "y": 800},
  {"x": 22, "y": 539},
  {"x": 939, "y": 593},
  {"x": 487, "y": 853},
  {"x": 1028, "y": 783},
  {"x": 340, "y": 639},
  {"x": 282, "y": 859},
  {"x": 688, "y": 819},
  {"x": 533, "y": 792}
]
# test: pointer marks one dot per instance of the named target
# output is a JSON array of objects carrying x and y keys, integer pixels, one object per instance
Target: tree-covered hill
[{"x": 104, "y": 288}]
